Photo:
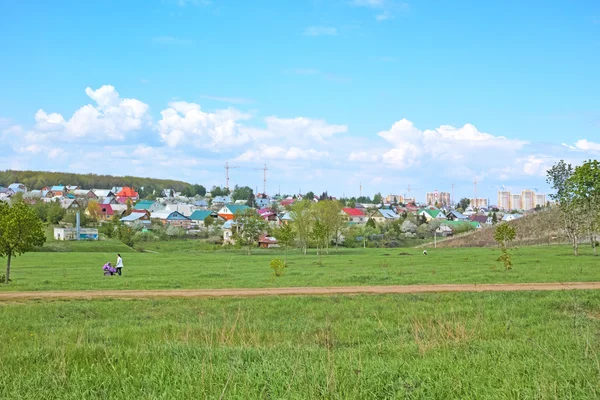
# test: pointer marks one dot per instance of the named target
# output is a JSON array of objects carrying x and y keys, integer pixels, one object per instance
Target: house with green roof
[
  {"x": 198, "y": 217},
  {"x": 431, "y": 214},
  {"x": 148, "y": 205},
  {"x": 227, "y": 212}
]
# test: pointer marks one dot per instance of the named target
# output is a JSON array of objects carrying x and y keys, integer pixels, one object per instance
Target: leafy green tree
[
  {"x": 286, "y": 237},
  {"x": 54, "y": 213},
  {"x": 329, "y": 213},
  {"x": 585, "y": 182},
  {"x": 494, "y": 218},
  {"x": 503, "y": 234},
  {"x": 302, "y": 217},
  {"x": 208, "y": 221},
  {"x": 242, "y": 193},
  {"x": 309, "y": 196},
  {"x": 371, "y": 223},
  {"x": 464, "y": 203},
  {"x": 378, "y": 198},
  {"x": 20, "y": 231},
  {"x": 250, "y": 226},
  {"x": 570, "y": 213},
  {"x": 319, "y": 235}
]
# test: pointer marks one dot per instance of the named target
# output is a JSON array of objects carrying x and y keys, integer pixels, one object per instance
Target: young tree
[
  {"x": 320, "y": 237},
  {"x": 494, "y": 218},
  {"x": 377, "y": 199},
  {"x": 559, "y": 177},
  {"x": 585, "y": 182},
  {"x": 503, "y": 234},
  {"x": 309, "y": 196},
  {"x": 464, "y": 203},
  {"x": 242, "y": 193},
  {"x": 371, "y": 223},
  {"x": 329, "y": 213},
  {"x": 285, "y": 236},
  {"x": 93, "y": 210},
  {"x": 302, "y": 223},
  {"x": 20, "y": 231},
  {"x": 208, "y": 221},
  {"x": 250, "y": 226}
]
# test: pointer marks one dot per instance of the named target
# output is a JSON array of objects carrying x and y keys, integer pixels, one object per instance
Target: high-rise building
[
  {"x": 431, "y": 198},
  {"x": 527, "y": 199},
  {"x": 408, "y": 200},
  {"x": 504, "y": 200},
  {"x": 478, "y": 202},
  {"x": 394, "y": 198},
  {"x": 444, "y": 199},
  {"x": 540, "y": 200},
  {"x": 515, "y": 202}
]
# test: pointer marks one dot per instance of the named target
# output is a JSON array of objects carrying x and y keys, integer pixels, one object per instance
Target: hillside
[
  {"x": 38, "y": 179},
  {"x": 538, "y": 228}
]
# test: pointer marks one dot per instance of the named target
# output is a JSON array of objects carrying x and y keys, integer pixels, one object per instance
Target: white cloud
[
  {"x": 300, "y": 128},
  {"x": 265, "y": 152},
  {"x": 587, "y": 146},
  {"x": 185, "y": 123},
  {"x": 320, "y": 31},
  {"x": 363, "y": 156},
  {"x": 537, "y": 165},
  {"x": 112, "y": 117}
]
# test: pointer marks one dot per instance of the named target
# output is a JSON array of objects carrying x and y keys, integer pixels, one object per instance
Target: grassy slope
[
  {"x": 178, "y": 265},
  {"x": 446, "y": 346}
]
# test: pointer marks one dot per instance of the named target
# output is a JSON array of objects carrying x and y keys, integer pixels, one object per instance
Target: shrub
[
  {"x": 3, "y": 278},
  {"x": 278, "y": 266}
]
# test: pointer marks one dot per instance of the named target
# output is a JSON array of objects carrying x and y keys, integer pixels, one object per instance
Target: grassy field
[
  {"x": 438, "y": 346},
  {"x": 184, "y": 264}
]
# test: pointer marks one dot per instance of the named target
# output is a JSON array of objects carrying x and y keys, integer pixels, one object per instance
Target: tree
[
  {"x": 494, "y": 218},
  {"x": 377, "y": 199},
  {"x": 302, "y": 223},
  {"x": 208, "y": 221},
  {"x": 329, "y": 213},
  {"x": 250, "y": 202},
  {"x": 585, "y": 182},
  {"x": 366, "y": 231},
  {"x": 319, "y": 236},
  {"x": 129, "y": 207},
  {"x": 464, "y": 203},
  {"x": 309, "y": 196},
  {"x": 242, "y": 193},
  {"x": 408, "y": 228},
  {"x": 93, "y": 210},
  {"x": 55, "y": 213},
  {"x": 503, "y": 234},
  {"x": 371, "y": 223},
  {"x": 559, "y": 177},
  {"x": 285, "y": 236},
  {"x": 250, "y": 226},
  {"x": 20, "y": 231}
]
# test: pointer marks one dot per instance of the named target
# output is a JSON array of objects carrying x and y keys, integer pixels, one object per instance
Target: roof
[
  {"x": 353, "y": 212},
  {"x": 235, "y": 208},
  {"x": 454, "y": 224},
  {"x": 17, "y": 187},
  {"x": 228, "y": 224},
  {"x": 127, "y": 192},
  {"x": 106, "y": 209},
  {"x": 144, "y": 204},
  {"x": 287, "y": 202},
  {"x": 482, "y": 219},
  {"x": 168, "y": 215},
  {"x": 388, "y": 214},
  {"x": 103, "y": 192},
  {"x": 201, "y": 203},
  {"x": 432, "y": 213},
  {"x": 200, "y": 215},
  {"x": 58, "y": 188},
  {"x": 133, "y": 217},
  {"x": 222, "y": 199},
  {"x": 267, "y": 239},
  {"x": 287, "y": 217},
  {"x": 457, "y": 214}
]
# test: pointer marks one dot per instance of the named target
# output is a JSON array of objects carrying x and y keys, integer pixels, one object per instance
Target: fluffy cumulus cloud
[
  {"x": 185, "y": 123},
  {"x": 446, "y": 144},
  {"x": 587, "y": 146},
  {"x": 112, "y": 117}
]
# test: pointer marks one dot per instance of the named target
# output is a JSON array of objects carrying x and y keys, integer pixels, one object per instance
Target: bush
[
  {"x": 3, "y": 279},
  {"x": 278, "y": 266}
]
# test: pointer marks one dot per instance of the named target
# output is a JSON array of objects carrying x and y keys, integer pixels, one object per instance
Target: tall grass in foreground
[{"x": 447, "y": 346}]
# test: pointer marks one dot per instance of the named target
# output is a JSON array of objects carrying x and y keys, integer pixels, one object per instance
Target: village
[{"x": 215, "y": 215}]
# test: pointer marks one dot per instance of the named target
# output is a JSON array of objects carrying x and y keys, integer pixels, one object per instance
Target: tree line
[{"x": 35, "y": 180}]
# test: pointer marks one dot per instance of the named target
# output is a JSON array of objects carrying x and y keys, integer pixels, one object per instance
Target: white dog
[{"x": 424, "y": 252}]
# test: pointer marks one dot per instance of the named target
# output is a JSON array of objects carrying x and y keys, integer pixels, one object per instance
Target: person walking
[{"x": 119, "y": 264}]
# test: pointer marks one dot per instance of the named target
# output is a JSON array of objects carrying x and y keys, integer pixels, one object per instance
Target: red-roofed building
[
  {"x": 355, "y": 215},
  {"x": 287, "y": 202},
  {"x": 128, "y": 193}
]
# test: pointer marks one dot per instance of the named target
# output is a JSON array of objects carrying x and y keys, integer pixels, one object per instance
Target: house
[
  {"x": 511, "y": 217},
  {"x": 129, "y": 193},
  {"x": 384, "y": 215},
  {"x": 456, "y": 216},
  {"x": 71, "y": 234},
  {"x": 431, "y": 214},
  {"x": 198, "y": 217},
  {"x": 18, "y": 187},
  {"x": 482, "y": 219},
  {"x": 221, "y": 200},
  {"x": 119, "y": 209},
  {"x": 185, "y": 209},
  {"x": 173, "y": 218},
  {"x": 103, "y": 193},
  {"x": 69, "y": 204},
  {"x": 201, "y": 203},
  {"x": 287, "y": 202},
  {"x": 33, "y": 195},
  {"x": 58, "y": 190},
  {"x": 228, "y": 211},
  {"x": 269, "y": 216},
  {"x": 6, "y": 193},
  {"x": 88, "y": 194},
  {"x": 72, "y": 188},
  {"x": 354, "y": 215},
  {"x": 262, "y": 202},
  {"x": 267, "y": 242},
  {"x": 136, "y": 217},
  {"x": 228, "y": 230},
  {"x": 105, "y": 212},
  {"x": 110, "y": 200},
  {"x": 149, "y": 205},
  {"x": 444, "y": 230},
  {"x": 286, "y": 218}
]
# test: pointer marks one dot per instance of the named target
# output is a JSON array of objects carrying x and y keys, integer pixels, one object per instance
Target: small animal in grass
[{"x": 424, "y": 252}]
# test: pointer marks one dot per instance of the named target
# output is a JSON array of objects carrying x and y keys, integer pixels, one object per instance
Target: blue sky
[{"x": 329, "y": 94}]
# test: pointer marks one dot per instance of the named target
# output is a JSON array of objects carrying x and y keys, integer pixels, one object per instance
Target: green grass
[
  {"x": 179, "y": 265},
  {"x": 542, "y": 345}
]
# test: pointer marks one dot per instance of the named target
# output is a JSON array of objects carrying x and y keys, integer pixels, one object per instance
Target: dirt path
[{"x": 296, "y": 291}]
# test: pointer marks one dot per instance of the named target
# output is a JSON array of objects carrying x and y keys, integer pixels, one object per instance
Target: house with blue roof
[
  {"x": 174, "y": 218},
  {"x": 221, "y": 200},
  {"x": 384, "y": 215},
  {"x": 18, "y": 187}
]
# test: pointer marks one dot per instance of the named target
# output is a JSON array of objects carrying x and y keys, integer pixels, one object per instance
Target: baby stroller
[{"x": 109, "y": 269}]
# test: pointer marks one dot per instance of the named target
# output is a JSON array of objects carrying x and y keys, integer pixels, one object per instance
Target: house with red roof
[
  {"x": 355, "y": 215},
  {"x": 128, "y": 193}
]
